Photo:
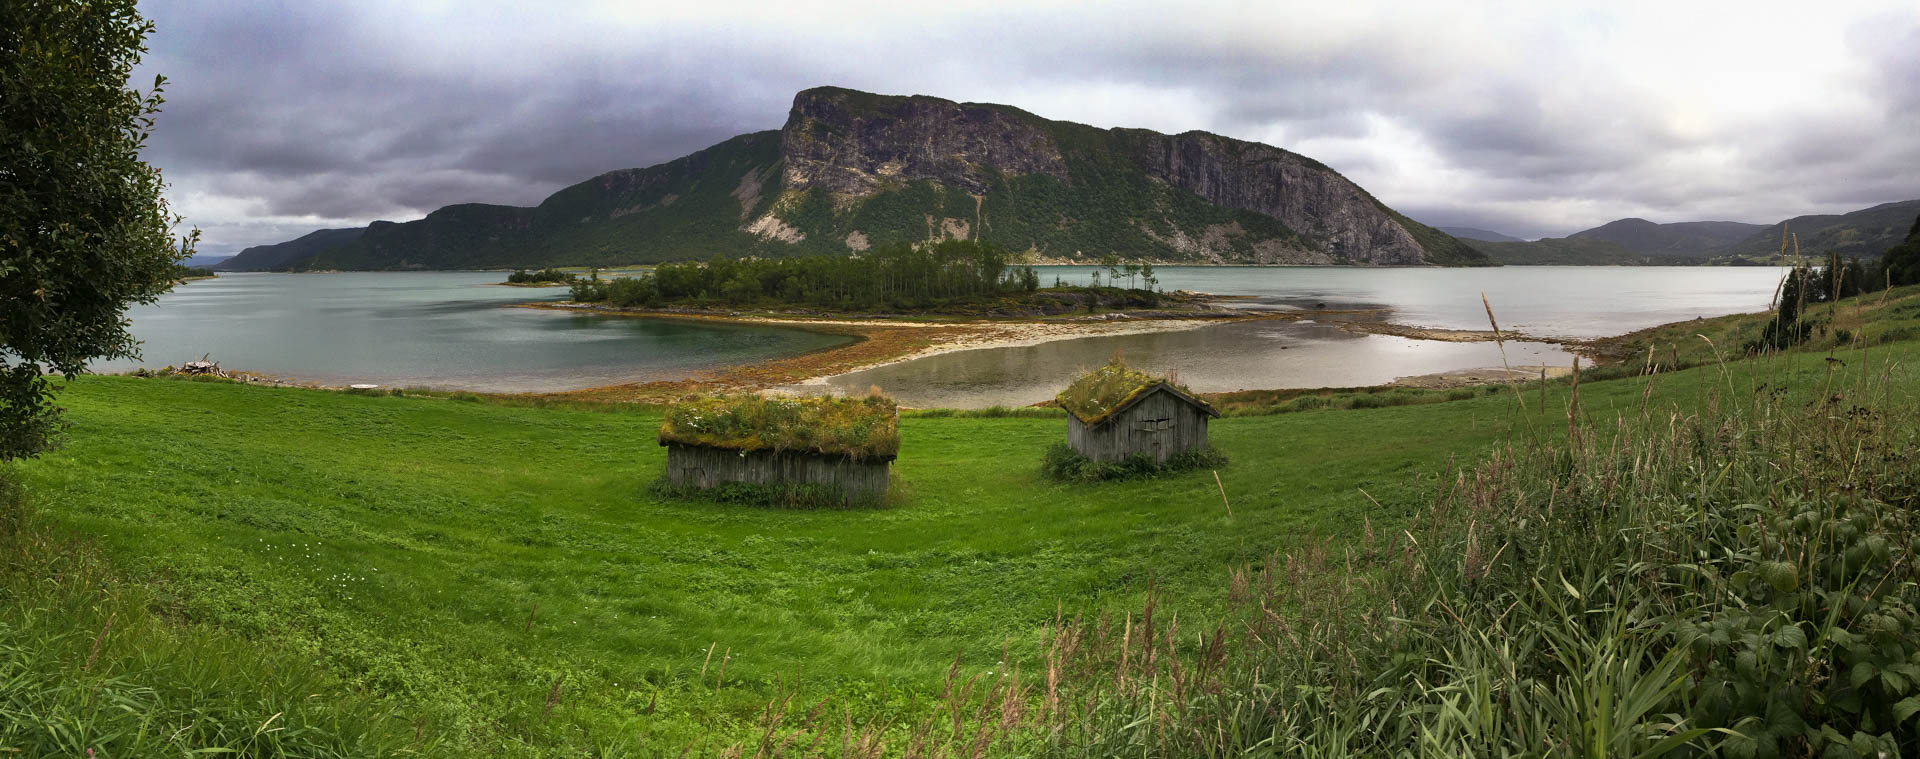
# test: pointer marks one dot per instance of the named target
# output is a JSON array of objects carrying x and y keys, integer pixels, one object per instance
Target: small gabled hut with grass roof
[
  {"x": 829, "y": 448},
  {"x": 1116, "y": 413}
]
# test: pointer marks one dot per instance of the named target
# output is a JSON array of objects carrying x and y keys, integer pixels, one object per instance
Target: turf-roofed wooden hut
[
  {"x": 841, "y": 446},
  {"x": 1116, "y": 413}
]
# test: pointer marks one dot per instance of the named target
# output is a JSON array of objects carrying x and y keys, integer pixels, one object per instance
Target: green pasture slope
[{"x": 482, "y": 578}]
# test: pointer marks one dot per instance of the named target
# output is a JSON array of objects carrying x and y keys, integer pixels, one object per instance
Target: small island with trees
[
  {"x": 962, "y": 278},
  {"x": 548, "y": 277}
]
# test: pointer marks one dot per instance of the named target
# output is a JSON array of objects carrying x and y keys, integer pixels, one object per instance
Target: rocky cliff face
[
  {"x": 851, "y": 170},
  {"x": 854, "y": 143},
  {"x": 1299, "y": 192},
  {"x": 1268, "y": 205}
]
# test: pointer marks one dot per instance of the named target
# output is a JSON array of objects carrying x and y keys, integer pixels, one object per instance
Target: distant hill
[
  {"x": 1687, "y": 238},
  {"x": 1865, "y": 233},
  {"x": 205, "y": 262},
  {"x": 850, "y": 170},
  {"x": 1569, "y": 251},
  {"x": 292, "y": 254},
  {"x": 1473, "y": 233}
]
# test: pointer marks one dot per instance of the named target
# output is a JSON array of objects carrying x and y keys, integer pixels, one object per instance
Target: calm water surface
[
  {"x": 451, "y": 330},
  {"x": 1546, "y": 301},
  {"x": 1555, "y": 301},
  {"x": 455, "y": 330},
  {"x": 1242, "y": 356}
]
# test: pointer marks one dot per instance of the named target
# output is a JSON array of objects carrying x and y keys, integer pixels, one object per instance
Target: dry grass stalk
[
  {"x": 553, "y": 696},
  {"x": 94, "y": 653}
]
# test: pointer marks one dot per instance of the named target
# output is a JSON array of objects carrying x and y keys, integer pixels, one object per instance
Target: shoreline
[
  {"x": 877, "y": 342},
  {"x": 889, "y": 340}
]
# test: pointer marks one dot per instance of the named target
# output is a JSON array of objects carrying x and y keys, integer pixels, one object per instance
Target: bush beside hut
[{"x": 819, "y": 451}]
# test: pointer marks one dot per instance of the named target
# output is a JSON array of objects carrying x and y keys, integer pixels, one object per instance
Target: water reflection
[{"x": 1245, "y": 355}]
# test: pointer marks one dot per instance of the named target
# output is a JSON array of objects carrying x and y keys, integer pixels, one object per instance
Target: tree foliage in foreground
[{"x": 84, "y": 231}]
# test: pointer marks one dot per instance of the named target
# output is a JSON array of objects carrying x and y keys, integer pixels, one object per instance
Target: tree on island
[{"x": 84, "y": 230}]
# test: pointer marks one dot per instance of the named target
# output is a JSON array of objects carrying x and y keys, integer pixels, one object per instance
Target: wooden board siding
[
  {"x": 1159, "y": 425},
  {"x": 691, "y": 466}
]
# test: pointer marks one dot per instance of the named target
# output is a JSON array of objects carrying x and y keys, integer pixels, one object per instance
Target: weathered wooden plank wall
[
  {"x": 1160, "y": 425},
  {"x": 702, "y": 467}
]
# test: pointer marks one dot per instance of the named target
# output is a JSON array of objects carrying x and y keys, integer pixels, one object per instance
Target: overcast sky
[{"x": 1533, "y": 119}]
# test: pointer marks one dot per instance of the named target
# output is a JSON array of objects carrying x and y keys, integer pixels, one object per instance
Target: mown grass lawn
[{"x": 505, "y": 573}]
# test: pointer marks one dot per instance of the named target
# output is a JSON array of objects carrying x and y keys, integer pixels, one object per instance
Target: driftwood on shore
[{"x": 206, "y": 367}]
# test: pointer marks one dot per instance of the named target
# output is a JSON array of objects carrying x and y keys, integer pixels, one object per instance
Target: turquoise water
[
  {"x": 1544, "y": 301},
  {"x": 1260, "y": 355},
  {"x": 452, "y": 330},
  {"x": 456, "y": 330}
]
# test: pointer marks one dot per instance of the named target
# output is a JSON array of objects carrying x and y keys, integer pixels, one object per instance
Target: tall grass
[
  {"x": 1738, "y": 579},
  {"x": 88, "y": 669}
]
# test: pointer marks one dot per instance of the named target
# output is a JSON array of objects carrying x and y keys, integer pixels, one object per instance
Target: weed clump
[
  {"x": 786, "y": 495},
  {"x": 1065, "y": 464}
]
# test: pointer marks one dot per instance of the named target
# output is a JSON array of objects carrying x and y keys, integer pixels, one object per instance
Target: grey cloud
[{"x": 343, "y": 113}]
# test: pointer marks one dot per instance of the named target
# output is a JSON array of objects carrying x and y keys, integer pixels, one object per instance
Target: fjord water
[
  {"x": 1558, "y": 301},
  {"x": 452, "y": 330},
  {"x": 1260, "y": 355},
  {"x": 1544, "y": 301},
  {"x": 457, "y": 330}
]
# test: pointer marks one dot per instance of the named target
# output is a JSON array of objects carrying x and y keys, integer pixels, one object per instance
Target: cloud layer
[{"x": 1529, "y": 118}]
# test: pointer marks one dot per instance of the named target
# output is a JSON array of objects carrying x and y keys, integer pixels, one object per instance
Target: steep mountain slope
[
  {"x": 1475, "y": 233},
  {"x": 850, "y": 170},
  {"x": 1687, "y": 238},
  {"x": 1865, "y": 233},
  {"x": 690, "y": 207},
  {"x": 291, "y": 254}
]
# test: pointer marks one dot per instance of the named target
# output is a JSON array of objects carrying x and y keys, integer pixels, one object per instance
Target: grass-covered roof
[
  {"x": 1101, "y": 392},
  {"x": 858, "y": 428}
]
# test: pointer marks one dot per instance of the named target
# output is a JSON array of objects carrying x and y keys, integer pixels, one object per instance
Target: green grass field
[{"x": 499, "y": 576}]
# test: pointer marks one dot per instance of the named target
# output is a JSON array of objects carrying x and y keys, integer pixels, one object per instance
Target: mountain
[
  {"x": 292, "y": 254},
  {"x": 850, "y": 170},
  {"x": 204, "y": 262},
  {"x": 1474, "y": 233},
  {"x": 1687, "y": 238},
  {"x": 1865, "y": 233},
  {"x": 1568, "y": 251}
]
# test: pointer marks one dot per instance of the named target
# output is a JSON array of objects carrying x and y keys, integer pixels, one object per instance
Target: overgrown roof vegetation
[
  {"x": 1099, "y": 393},
  {"x": 858, "y": 428}
]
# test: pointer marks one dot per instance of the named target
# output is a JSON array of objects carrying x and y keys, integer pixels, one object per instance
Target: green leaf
[
  {"x": 1906, "y": 708},
  {"x": 1782, "y": 576},
  {"x": 1861, "y": 674}
]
